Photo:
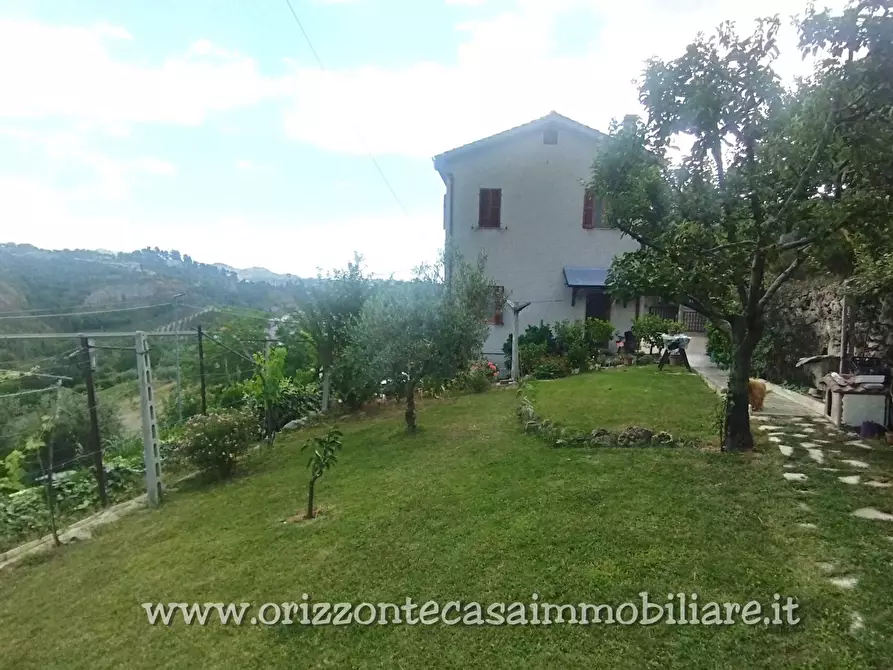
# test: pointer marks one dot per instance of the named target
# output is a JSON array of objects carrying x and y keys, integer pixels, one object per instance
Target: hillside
[{"x": 37, "y": 281}]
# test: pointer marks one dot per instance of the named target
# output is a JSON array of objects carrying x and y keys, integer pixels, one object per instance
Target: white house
[{"x": 518, "y": 196}]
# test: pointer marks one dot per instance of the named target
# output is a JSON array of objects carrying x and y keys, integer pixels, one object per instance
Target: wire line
[
  {"x": 356, "y": 130},
  {"x": 99, "y": 311}
]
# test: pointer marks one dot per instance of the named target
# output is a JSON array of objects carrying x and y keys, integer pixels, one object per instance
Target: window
[
  {"x": 497, "y": 306},
  {"x": 593, "y": 212},
  {"x": 490, "y": 204},
  {"x": 550, "y": 136},
  {"x": 588, "y": 209}
]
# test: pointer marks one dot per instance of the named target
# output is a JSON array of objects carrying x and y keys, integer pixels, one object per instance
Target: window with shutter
[
  {"x": 489, "y": 215},
  {"x": 601, "y": 220},
  {"x": 588, "y": 210}
]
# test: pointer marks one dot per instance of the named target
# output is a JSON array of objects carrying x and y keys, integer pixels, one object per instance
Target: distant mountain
[
  {"x": 34, "y": 280},
  {"x": 259, "y": 274}
]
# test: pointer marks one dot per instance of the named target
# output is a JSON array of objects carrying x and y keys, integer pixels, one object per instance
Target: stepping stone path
[
  {"x": 815, "y": 438},
  {"x": 794, "y": 476},
  {"x": 873, "y": 514}
]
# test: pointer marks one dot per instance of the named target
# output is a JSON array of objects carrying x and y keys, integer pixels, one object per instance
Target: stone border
[
  {"x": 558, "y": 436},
  {"x": 80, "y": 530}
]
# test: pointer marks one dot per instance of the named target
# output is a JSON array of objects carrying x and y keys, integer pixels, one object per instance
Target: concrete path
[{"x": 778, "y": 402}]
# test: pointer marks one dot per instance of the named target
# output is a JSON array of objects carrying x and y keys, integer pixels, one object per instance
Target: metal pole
[
  {"x": 151, "y": 457},
  {"x": 177, "y": 330},
  {"x": 201, "y": 369},
  {"x": 516, "y": 308},
  {"x": 95, "y": 438},
  {"x": 843, "y": 335}
]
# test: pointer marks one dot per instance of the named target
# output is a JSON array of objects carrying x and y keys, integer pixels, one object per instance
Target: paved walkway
[{"x": 776, "y": 403}]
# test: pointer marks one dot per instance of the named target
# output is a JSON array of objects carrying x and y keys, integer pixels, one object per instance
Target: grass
[
  {"x": 467, "y": 509},
  {"x": 617, "y": 398}
]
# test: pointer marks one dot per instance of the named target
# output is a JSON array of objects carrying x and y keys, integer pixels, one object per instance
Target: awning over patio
[{"x": 577, "y": 277}]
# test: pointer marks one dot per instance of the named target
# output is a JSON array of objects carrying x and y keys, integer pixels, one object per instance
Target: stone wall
[{"x": 818, "y": 304}]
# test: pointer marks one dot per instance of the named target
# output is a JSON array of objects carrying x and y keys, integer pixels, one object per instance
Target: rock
[
  {"x": 294, "y": 424},
  {"x": 635, "y": 436},
  {"x": 602, "y": 438},
  {"x": 76, "y": 535},
  {"x": 663, "y": 439},
  {"x": 873, "y": 514}
]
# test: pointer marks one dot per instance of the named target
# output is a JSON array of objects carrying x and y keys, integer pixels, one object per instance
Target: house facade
[{"x": 519, "y": 198}]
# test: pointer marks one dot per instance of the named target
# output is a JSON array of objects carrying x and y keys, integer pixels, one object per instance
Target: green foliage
[
  {"x": 773, "y": 178},
  {"x": 552, "y": 367},
  {"x": 330, "y": 305},
  {"x": 13, "y": 471},
  {"x": 425, "y": 328},
  {"x": 534, "y": 334},
  {"x": 324, "y": 455},
  {"x": 478, "y": 378},
  {"x": 531, "y": 355},
  {"x": 217, "y": 441},
  {"x": 323, "y": 452},
  {"x": 649, "y": 327}
]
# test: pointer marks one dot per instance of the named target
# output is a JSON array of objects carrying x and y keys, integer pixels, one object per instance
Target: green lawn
[
  {"x": 671, "y": 400},
  {"x": 468, "y": 509}
]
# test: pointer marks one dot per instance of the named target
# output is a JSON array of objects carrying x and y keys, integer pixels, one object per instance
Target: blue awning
[{"x": 585, "y": 277}]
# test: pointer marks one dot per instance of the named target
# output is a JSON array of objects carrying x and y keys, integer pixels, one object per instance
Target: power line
[
  {"x": 67, "y": 307},
  {"x": 356, "y": 130},
  {"x": 98, "y": 311}
]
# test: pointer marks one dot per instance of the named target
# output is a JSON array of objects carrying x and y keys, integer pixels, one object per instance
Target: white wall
[{"x": 542, "y": 211}]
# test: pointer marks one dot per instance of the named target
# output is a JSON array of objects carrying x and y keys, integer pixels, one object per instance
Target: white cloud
[
  {"x": 509, "y": 70},
  {"x": 61, "y": 71},
  {"x": 46, "y": 217},
  {"x": 466, "y": 3}
]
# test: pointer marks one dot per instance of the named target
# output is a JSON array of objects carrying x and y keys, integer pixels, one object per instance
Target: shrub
[
  {"x": 531, "y": 355},
  {"x": 539, "y": 335},
  {"x": 598, "y": 333},
  {"x": 479, "y": 377},
  {"x": 216, "y": 441},
  {"x": 552, "y": 367},
  {"x": 648, "y": 328}
]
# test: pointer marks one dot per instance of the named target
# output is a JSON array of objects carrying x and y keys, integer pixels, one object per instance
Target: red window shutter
[
  {"x": 600, "y": 214},
  {"x": 484, "y": 209},
  {"x": 588, "y": 210},
  {"x": 495, "y": 207}
]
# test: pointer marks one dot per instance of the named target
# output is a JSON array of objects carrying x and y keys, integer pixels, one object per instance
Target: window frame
[{"x": 490, "y": 208}]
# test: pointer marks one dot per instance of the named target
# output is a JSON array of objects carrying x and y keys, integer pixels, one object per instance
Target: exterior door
[{"x": 598, "y": 305}]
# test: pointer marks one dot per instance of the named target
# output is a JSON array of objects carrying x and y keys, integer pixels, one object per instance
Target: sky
[{"x": 210, "y": 127}]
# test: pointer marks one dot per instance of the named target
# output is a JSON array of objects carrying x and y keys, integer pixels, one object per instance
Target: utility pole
[
  {"x": 516, "y": 308},
  {"x": 151, "y": 457},
  {"x": 177, "y": 339},
  {"x": 95, "y": 439},
  {"x": 201, "y": 369}
]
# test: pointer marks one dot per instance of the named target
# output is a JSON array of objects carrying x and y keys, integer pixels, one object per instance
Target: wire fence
[{"x": 63, "y": 457}]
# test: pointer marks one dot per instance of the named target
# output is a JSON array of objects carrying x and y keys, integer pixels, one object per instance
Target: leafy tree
[
  {"x": 648, "y": 328},
  {"x": 267, "y": 383},
  {"x": 767, "y": 185},
  {"x": 324, "y": 457},
  {"x": 328, "y": 306},
  {"x": 426, "y": 327}
]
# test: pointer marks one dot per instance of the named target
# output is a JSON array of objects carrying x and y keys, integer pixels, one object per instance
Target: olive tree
[
  {"x": 770, "y": 180},
  {"x": 328, "y": 307},
  {"x": 426, "y": 327}
]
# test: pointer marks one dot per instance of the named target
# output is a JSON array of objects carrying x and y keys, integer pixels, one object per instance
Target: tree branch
[
  {"x": 797, "y": 191},
  {"x": 814, "y": 237},
  {"x": 780, "y": 280}
]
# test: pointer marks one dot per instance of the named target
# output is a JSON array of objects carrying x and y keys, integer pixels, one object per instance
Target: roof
[
  {"x": 585, "y": 277},
  {"x": 551, "y": 120}
]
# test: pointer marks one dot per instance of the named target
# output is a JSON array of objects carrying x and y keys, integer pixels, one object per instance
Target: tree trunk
[
  {"x": 326, "y": 387},
  {"x": 310, "y": 514},
  {"x": 410, "y": 406},
  {"x": 737, "y": 434}
]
